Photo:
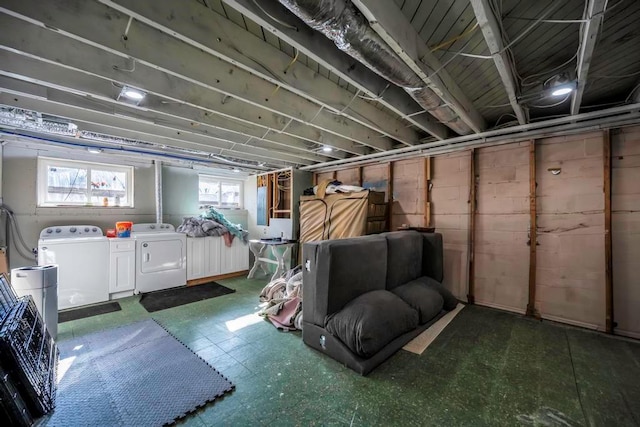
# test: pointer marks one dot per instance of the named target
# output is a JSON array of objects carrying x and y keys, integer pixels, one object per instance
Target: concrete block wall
[
  {"x": 570, "y": 270},
  {"x": 625, "y": 224},
  {"x": 501, "y": 252},
  {"x": 451, "y": 178}
]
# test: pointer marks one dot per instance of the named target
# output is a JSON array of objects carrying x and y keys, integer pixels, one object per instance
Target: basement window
[
  {"x": 75, "y": 183},
  {"x": 220, "y": 192}
]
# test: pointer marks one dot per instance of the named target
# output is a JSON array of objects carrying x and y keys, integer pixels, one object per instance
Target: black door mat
[
  {"x": 94, "y": 310},
  {"x": 161, "y": 300}
]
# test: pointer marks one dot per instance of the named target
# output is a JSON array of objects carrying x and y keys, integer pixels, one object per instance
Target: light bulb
[{"x": 561, "y": 91}]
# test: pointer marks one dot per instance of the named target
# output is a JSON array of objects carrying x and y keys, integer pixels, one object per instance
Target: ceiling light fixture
[
  {"x": 561, "y": 90},
  {"x": 94, "y": 150},
  {"x": 559, "y": 85},
  {"x": 132, "y": 94},
  {"x": 236, "y": 170},
  {"x": 327, "y": 149}
]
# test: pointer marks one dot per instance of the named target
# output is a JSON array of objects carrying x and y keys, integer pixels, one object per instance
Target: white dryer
[
  {"x": 81, "y": 253},
  {"x": 161, "y": 257}
]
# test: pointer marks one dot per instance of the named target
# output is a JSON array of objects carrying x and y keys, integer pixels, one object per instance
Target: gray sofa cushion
[
  {"x": 450, "y": 301},
  {"x": 425, "y": 299},
  {"x": 339, "y": 271},
  {"x": 404, "y": 257},
  {"x": 371, "y": 321}
]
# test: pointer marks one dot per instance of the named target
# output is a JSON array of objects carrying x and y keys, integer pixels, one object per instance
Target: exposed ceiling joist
[
  {"x": 204, "y": 29},
  {"x": 198, "y": 67},
  {"x": 389, "y": 22},
  {"x": 154, "y": 110},
  {"x": 493, "y": 36},
  {"x": 589, "y": 31},
  {"x": 55, "y": 48},
  {"x": 323, "y": 51},
  {"x": 136, "y": 129}
]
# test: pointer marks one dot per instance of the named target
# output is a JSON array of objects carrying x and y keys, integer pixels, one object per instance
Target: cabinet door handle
[{"x": 146, "y": 257}]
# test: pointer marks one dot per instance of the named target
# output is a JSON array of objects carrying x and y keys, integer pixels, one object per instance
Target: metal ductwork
[{"x": 340, "y": 21}]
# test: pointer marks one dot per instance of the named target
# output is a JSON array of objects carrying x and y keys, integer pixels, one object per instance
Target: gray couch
[{"x": 366, "y": 297}]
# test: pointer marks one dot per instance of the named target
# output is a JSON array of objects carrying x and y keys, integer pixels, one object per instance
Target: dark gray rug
[
  {"x": 168, "y": 298},
  {"x": 134, "y": 375},
  {"x": 94, "y": 310}
]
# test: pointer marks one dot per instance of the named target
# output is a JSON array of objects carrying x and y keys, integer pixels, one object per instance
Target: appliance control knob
[
  {"x": 152, "y": 227},
  {"x": 58, "y": 230},
  {"x": 73, "y": 229},
  {"x": 49, "y": 231},
  {"x": 94, "y": 229},
  {"x": 86, "y": 229}
]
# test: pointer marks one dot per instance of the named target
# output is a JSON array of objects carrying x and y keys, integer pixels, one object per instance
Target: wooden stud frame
[
  {"x": 390, "y": 199},
  {"x": 427, "y": 182},
  {"x": 472, "y": 226},
  {"x": 609, "y": 323},
  {"x": 533, "y": 232}
]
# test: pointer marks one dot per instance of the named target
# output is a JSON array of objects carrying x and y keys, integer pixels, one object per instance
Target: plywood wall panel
[
  {"x": 570, "y": 263},
  {"x": 502, "y": 220},
  {"x": 323, "y": 176},
  {"x": 450, "y": 179},
  {"x": 625, "y": 205},
  {"x": 348, "y": 176},
  {"x": 408, "y": 193}
]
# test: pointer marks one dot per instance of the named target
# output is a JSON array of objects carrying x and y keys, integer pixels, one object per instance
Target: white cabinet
[
  {"x": 122, "y": 267},
  {"x": 235, "y": 258},
  {"x": 209, "y": 256},
  {"x": 203, "y": 257}
]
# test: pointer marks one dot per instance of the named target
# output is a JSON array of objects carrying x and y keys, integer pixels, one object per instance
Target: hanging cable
[
  {"x": 632, "y": 91},
  {"x": 514, "y": 41},
  {"x": 455, "y": 39}
]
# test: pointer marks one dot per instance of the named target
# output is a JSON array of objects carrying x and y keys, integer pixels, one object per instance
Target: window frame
[
  {"x": 42, "y": 181},
  {"x": 220, "y": 181}
]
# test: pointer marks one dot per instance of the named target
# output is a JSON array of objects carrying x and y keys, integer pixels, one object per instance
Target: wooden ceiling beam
[
  {"x": 83, "y": 112},
  {"x": 322, "y": 50},
  {"x": 147, "y": 51},
  {"x": 201, "y": 27},
  {"x": 386, "y": 19},
  {"x": 53, "y": 48},
  {"x": 493, "y": 36},
  {"x": 589, "y": 36}
]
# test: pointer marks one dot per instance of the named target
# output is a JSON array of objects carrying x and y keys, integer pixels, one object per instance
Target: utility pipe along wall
[{"x": 341, "y": 22}]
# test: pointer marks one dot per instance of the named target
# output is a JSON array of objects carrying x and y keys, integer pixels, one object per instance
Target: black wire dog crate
[{"x": 28, "y": 359}]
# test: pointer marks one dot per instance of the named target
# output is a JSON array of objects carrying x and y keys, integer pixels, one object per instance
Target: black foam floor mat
[
  {"x": 161, "y": 300},
  {"x": 94, "y": 310}
]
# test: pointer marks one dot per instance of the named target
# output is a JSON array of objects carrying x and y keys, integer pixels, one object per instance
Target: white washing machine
[
  {"x": 81, "y": 253},
  {"x": 161, "y": 257}
]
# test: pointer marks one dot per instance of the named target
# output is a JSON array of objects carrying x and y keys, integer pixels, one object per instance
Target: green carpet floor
[{"x": 487, "y": 368}]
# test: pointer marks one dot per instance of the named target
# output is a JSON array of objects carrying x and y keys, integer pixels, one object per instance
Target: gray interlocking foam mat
[{"x": 134, "y": 375}]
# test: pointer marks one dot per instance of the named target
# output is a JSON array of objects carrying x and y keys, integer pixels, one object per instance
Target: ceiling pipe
[
  {"x": 570, "y": 129},
  {"x": 579, "y": 122},
  {"x": 158, "y": 181},
  {"x": 340, "y": 21}
]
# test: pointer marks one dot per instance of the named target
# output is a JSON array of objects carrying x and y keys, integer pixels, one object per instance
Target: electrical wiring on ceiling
[
  {"x": 632, "y": 92},
  {"x": 507, "y": 46}
]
